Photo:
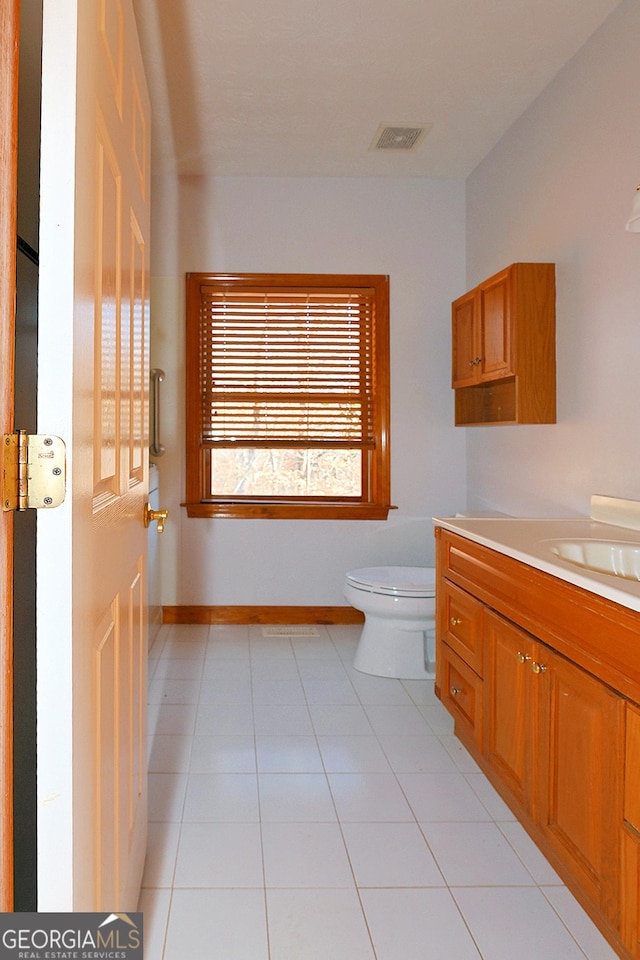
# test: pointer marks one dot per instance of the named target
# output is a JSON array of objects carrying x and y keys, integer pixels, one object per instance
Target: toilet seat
[{"x": 395, "y": 581}]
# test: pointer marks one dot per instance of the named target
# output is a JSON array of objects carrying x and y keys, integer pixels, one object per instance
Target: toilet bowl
[{"x": 398, "y": 636}]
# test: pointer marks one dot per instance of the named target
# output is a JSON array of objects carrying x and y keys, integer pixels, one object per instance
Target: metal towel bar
[{"x": 155, "y": 448}]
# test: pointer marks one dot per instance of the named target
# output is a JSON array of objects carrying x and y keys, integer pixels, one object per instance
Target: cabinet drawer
[
  {"x": 461, "y": 624},
  {"x": 461, "y": 694}
]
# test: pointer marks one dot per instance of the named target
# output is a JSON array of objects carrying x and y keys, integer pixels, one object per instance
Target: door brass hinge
[{"x": 33, "y": 471}]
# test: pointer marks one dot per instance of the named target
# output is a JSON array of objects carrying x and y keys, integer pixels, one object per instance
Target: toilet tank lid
[{"x": 403, "y": 579}]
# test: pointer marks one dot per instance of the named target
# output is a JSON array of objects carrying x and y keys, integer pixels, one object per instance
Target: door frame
[{"x": 9, "y": 46}]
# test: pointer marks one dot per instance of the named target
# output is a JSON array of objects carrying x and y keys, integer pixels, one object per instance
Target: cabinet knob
[
  {"x": 538, "y": 667},
  {"x": 455, "y": 621},
  {"x": 455, "y": 691},
  {"x": 522, "y": 657}
]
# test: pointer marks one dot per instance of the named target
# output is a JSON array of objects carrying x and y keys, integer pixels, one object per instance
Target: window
[{"x": 287, "y": 396}]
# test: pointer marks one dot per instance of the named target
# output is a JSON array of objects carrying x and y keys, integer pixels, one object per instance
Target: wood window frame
[{"x": 374, "y": 502}]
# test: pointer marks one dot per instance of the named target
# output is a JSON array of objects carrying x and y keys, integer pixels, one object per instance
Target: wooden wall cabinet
[
  {"x": 560, "y": 744},
  {"x": 503, "y": 348}
]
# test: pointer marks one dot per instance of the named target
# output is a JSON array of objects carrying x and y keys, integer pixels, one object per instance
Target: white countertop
[{"x": 527, "y": 540}]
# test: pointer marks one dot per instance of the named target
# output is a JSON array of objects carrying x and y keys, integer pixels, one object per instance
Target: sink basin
[{"x": 617, "y": 558}]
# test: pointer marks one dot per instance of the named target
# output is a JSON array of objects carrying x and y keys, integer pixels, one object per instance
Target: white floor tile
[
  {"x": 329, "y": 691},
  {"x": 222, "y": 797},
  {"x": 339, "y": 719},
  {"x": 305, "y": 855},
  {"x": 289, "y": 754},
  {"x": 489, "y": 797},
  {"x": 165, "y": 690},
  {"x": 317, "y": 925},
  {"x": 233, "y": 753},
  {"x": 178, "y": 649},
  {"x": 154, "y": 905},
  {"x": 172, "y": 719},
  {"x": 459, "y": 754},
  {"x": 353, "y": 754},
  {"x": 535, "y": 862},
  {"x": 390, "y": 855},
  {"x": 186, "y": 634},
  {"x": 378, "y": 689},
  {"x": 421, "y": 692},
  {"x": 219, "y": 855},
  {"x": 419, "y": 924},
  {"x": 582, "y": 928},
  {"x": 231, "y": 670},
  {"x": 270, "y": 793},
  {"x": 278, "y": 692},
  {"x": 279, "y": 647},
  {"x": 226, "y": 689},
  {"x": 227, "y": 644},
  {"x": 276, "y": 719},
  {"x": 314, "y": 648},
  {"x": 170, "y": 754},
  {"x": 274, "y": 668},
  {"x": 162, "y": 851},
  {"x": 166, "y": 796},
  {"x": 416, "y": 754},
  {"x": 215, "y": 719},
  {"x": 441, "y": 796},
  {"x": 178, "y": 669},
  {"x": 396, "y": 718},
  {"x": 439, "y": 720},
  {"x": 212, "y": 924},
  {"x": 326, "y": 669},
  {"x": 368, "y": 797},
  {"x": 515, "y": 922},
  {"x": 475, "y": 854},
  {"x": 295, "y": 798}
]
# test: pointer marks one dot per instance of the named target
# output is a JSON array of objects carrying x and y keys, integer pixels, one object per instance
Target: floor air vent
[{"x": 290, "y": 631}]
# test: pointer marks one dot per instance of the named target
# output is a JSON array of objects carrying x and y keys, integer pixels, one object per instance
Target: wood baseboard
[{"x": 260, "y": 614}]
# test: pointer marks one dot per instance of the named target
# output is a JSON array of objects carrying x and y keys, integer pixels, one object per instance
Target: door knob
[{"x": 151, "y": 515}]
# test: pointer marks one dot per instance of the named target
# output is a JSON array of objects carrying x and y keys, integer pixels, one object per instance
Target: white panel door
[{"x": 92, "y": 391}]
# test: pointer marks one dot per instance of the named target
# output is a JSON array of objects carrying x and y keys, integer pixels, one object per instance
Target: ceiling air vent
[{"x": 390, "y": 136}]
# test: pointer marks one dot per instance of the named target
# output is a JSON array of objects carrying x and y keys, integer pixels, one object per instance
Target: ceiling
[{"x": 300, "y": 87}]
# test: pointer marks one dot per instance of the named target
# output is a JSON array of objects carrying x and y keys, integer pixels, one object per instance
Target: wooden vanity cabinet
[
  {"x": 503, "y": 348},
  {"x": 561, "y": 745}
]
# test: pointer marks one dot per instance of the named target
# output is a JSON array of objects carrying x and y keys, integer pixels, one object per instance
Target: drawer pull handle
[
  {"x": 455, "y": 621},
  {"x": 538, "y": 667},
  {"x": 522, "y": 657},
  {"x": 454, "y": 691}
]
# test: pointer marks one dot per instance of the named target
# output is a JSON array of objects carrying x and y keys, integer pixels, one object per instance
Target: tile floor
[{"x": 300, "y": 810}]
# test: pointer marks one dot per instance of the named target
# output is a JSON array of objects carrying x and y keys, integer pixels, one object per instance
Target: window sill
[{"x": 289, "y": 511}]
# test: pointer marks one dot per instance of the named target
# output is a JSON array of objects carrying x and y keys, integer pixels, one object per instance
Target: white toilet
[{"x": 398, "y": 637}]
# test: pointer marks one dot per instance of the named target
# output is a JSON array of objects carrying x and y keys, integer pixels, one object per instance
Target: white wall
[
  {"x": 412, "y": 230},
  {"x": 559, "y": 187}
]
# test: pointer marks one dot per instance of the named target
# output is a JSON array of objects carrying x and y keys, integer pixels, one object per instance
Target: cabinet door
[
  {"x": 580, "y": 776},
  {"x": 509, "y": 711},
  {"x": 495, "y": 328},
  {"x": 465, "y": 346}
]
